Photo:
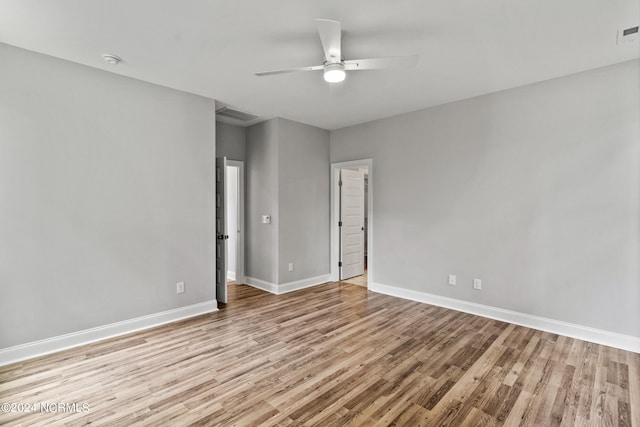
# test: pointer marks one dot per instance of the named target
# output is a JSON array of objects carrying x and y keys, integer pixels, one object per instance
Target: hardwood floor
[
  {"x": 361, "y": 280},
  {"x": 331, "y": 355}
]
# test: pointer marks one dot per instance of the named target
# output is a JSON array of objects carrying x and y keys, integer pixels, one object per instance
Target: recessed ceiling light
[{"x": 110, "y": 58}]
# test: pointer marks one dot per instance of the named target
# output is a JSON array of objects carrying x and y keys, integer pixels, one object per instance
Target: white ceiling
[{"x": 212, "y": 48}]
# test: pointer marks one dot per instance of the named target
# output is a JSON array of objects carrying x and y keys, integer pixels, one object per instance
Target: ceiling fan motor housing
[{"x": 334, "y": 72}]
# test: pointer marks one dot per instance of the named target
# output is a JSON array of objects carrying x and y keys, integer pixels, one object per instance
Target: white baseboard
[
  {"x": 586, "y": 333},
  {"x": 231, "y": 275},
  {"x": 304, "y": 283},
  {"x": 261, "y": 284},
  {"x": 51, "y": 345},
  {"x": 286, "y": 287}
]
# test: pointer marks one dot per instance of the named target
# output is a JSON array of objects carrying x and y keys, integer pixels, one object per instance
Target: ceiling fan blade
[
  {"x": 330, "y": 36},
  {"x": 290, "y": 70},
  {"x": 377, "y": 63}
]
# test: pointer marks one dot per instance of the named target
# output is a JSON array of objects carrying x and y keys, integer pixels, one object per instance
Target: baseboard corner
[{"x": 303, "y": 283}]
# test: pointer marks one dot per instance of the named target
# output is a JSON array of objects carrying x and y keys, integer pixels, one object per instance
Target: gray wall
[
  {"x": 304, "y": 201},
  {"x": 231, "y": 141},
  {"x": 261, "y": 251},
  {"x": 106, "y": 197},
  {"x": 288, "y": 178},
  {"x": 535, "y": 190}
]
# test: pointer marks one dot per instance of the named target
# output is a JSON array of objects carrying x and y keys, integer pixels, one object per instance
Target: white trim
[
  {"x": 231, "y": 275},
  {"x": 238, "y": 275},
  {"x": 304, "y": 283},
  {"x": 586, "y": 333},
  {"x": 289, "y": 286},
  {"x": 334, "y": 256},
  {"x": 261, "y": 284},
  {"x": 87, "y": 336},
  {"x": 335, "y": 205}
]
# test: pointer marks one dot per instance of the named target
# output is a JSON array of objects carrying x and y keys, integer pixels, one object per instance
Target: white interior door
[
  {"x": 221, "y": 231},
  {"x": 239, "y": 215},
  {"x": 351, "y": 223},
  {"x": 233, "y": 226}
]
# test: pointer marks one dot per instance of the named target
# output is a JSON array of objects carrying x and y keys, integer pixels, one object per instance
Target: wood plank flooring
[
  {"x": 331, "y": 355},
  {"x": 361, "y": 280}
]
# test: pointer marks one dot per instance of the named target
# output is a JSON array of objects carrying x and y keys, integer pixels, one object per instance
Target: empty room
[{"x": 319, "y": 213}]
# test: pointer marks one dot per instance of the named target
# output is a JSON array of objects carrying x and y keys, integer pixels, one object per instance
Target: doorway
[
  {"x": 229, "y": 225},
  {"x": 352, "y": 222},
  {"x": 234, "y": 202}
]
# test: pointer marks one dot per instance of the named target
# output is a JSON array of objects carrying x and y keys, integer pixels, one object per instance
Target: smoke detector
[{"x": 110, "y": 58}]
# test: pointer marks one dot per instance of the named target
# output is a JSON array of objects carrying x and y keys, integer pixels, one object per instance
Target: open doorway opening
[
  {"x": 352, "y": 222},
  {"x": 234, "y": 199}
]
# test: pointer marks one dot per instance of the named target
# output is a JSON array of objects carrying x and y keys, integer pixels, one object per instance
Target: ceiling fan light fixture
[
  {"x": 334, "y": 66},
  {"x": 334, "y": 73}
]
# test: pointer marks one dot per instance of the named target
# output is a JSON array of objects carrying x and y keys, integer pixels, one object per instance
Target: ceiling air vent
[
  {"x": 628, "y": 35},
  {"x": 235, "y": 114}
]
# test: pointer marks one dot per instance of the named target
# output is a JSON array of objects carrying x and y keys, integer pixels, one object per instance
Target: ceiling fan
[{"x": 334, "y": 66}]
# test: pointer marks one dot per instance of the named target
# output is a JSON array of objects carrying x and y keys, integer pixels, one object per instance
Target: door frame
[
  {"x": 240, "y": 277},
  {"x": 335, "y": 214}
]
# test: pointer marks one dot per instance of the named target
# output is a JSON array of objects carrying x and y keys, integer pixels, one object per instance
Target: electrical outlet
[
  {"x": 452, "y": 279},
  {"x": 477, "y": 284},
  {"x": 179, "y": 287},
  {"x": 290, "y": 266}
]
